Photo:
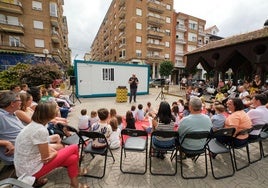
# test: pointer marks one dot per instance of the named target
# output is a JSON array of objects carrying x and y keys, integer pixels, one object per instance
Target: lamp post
[{"x": 46, "y": 52}]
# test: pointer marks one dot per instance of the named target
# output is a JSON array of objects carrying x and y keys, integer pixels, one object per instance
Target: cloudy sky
[{"x": 232, "y": 17}]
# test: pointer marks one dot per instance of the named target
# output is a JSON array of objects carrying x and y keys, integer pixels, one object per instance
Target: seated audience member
[
  {"x": 149, "y": 108},
  {"x": 149, "y": 128},
  {"x": 186, "y": 110},
  {"x": 112, "y": 113},
  {"x": 34, "y": 156},
  {"x": 25, "y": 112},
  {"x": 36, "y": 94},
  {"x": 175, "y": 113},
  {"x": 164, "y": 121},
  {"x": 83, "y": 121},
  {"x": 259, "y": 115},
  {"x": 133, "y": 110},
  {"x": 218, "y": 119},
  {"x": 243, "y": 93},
  {"x": 93, "y": 117},
  {"x": 180, "y": 105},
  {"x": 24, "y": 88},
  {"x": 130, "y": 120},
  {"x": 119, "y": 121},
  {"x": 196, "y": 121},
  {"x": 10, "y": 125},
  {"x": 102, "y": 125},
  {"x": 140, "y": 113},
  {"x": 237, "y": 119},
  {"x": 15, "y": 88},
  {"x": 115, "y": 135},
  {"x": 219, "y": 96}
]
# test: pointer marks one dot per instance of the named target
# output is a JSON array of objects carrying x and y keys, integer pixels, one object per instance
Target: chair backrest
[
  {"x": 257, "y": 127},
  {"x": 265, "y": 127},
  {"x": 243, "y": 132},
  {"x": 92, "y": 135},
  {"x": 165, "y": 134},
  {"x": 197, "y": 135},
  {"x": 223, "y": 132},
  {"x": 134, "y": 132}
]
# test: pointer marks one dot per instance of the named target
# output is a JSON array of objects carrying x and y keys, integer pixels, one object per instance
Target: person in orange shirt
[{"x": 237, "y": 119}]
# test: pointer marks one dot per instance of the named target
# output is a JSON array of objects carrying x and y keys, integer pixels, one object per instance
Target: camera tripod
[
  {"x": 73, "y": 97},
  {"x": 161, "y": 94}
]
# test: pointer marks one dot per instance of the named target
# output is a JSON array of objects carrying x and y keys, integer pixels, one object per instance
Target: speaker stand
[
  {"x": 161, "y": 94},
  {"x": 73, "y": 97}
]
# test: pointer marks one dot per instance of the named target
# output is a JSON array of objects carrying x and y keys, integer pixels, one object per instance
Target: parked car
[{"x": 158, "y": 82}]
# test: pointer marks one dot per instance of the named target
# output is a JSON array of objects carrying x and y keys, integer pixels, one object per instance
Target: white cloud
[{"x": 232, "y": 17}]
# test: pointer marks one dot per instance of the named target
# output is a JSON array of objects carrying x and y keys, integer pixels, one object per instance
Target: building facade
[
  {"x": 33, "y": 31},
  {"x": 189, "y": 34},
  {"x": 137, "y": 31}
]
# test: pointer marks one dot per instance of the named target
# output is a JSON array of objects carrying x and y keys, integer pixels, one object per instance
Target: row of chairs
[{"x": 137, "y": 141}]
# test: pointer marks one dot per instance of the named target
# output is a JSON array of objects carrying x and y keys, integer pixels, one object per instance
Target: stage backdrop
[{"x": 100, "y": 79}]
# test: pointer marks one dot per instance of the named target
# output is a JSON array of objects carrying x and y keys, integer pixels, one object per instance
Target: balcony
[
  {"x": 154, "y": 46},
  {"x": 54, "y": 21},
  {"x": 55, "y": 37},
  {"x": 122, "y": 12},
  {"x": 122, "y": 25},
  {"x": 7, "y": 46},
  {"x": 179, "y": 64},
  {"x": 152, "y": 6},
  {"x": 155, "y": 34},
  {"x": 11, "y": 28},
  {"x": 180, "y": 41},
  {"x": 179, "y": 53},
  {"x": 155, "y": 21},
  {"x": 15, "y": 7},
  {"x": 181, "y": 27},
  {"x": 157, "y": 57},
  {"x": 56, "y": 51},
  {"x": 201, "y": 32}
]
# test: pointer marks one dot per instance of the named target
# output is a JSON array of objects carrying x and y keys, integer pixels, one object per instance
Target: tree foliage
[
  {"x": 33, "y": 75},
  {"x": 166, "y": 68}
]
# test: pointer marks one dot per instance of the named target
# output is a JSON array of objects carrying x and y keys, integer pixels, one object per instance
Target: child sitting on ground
[
  {"x": 130, "y": 120},
  {"x": 140, "y": 113},
  {"x": 93, "y": 117},
  {"x": 115, "y": 135},
  {"x": 119, "y": 121},
  {"x": 149, "y": 128},
  {"x": 83, "y": 121}
]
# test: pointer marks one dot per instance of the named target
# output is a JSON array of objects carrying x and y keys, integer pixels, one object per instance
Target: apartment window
[
  {"x": 11, "y": 20},
  {"x": 36, "y": 5},
  {"x": 138, "y": 12},
  {"x": 192, "y": 37},
  {"x": 168, "y": 32},
  {"x": 166, "y": 56},
  {"x": 38, "y": 24},
  {"x": 108, "y": 74},
  {"x": 138, "y": 53},
  {"x": 3, "y": 19},
  {"x": 138, "y": 38},
  {"x": 14, "y": 41},
  {"x": 138, "y": 26},
  {"x": 122, "y": 54},
  {"x": 39, "y": 43},
  {"x": 168, "y": 20},
  {"x": 167, "y": 44},
  {"x": 168, "y": 7},
  {"x": 192, "y": 25},
  {"x": 53, "y": 9}
]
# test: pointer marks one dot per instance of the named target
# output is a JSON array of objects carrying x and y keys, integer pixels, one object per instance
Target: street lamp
[{"x": 46, "y": 52}]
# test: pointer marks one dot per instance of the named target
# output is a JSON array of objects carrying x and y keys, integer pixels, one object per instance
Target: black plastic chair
[
  {"x": 194, "y": 154},
  {"x": 154, "y": 149},
  {"x": 264, "y": 136},
  {"x": 133, "y": 141},
  {"x": 87, "y": 148},
  {"x": 74, "y": 138},
  {"x": 215, "y": 148},
  {"x": 234, "y": 147},
  {"x": 255, "y": 140},
  {"x": 14, "y": 182}
]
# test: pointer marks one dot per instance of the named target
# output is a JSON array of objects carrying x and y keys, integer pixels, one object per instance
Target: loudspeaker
[{"x": 72, "y": 80}]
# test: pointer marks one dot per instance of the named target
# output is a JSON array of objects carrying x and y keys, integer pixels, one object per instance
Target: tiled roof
[{"x": 258, "y": 34}]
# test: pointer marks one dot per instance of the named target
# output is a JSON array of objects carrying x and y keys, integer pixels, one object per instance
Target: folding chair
[
  {"x": 264, "y": 136},
  {"x": 255, "y": 140},
  {"x": 74, "y": 138},
  {"x": 14, "y": 182},
  {"x": 154, "y": 149},
  {"x": 202, "y": 136},
  {"x": 243, "y": 132},
  {"x": 215, "y": 147},
  {"x": 87, "y": 148},
  {"x": 133, "y": 141}
]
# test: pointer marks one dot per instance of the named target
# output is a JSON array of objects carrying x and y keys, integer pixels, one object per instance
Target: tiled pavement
[{"x": 256, "y": 175}]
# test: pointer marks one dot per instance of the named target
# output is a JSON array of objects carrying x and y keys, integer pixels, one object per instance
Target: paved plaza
[{"x": 256, "y": 175}]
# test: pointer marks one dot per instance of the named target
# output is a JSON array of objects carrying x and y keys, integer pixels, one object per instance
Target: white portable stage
[{"x": 100, "y": 79}]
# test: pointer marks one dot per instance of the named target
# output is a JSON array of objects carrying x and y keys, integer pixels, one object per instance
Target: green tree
[
  {"x": 12, "y": 76},
  {"x": 166, "y": 68}
]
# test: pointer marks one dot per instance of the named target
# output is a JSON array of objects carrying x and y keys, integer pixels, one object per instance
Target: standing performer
[{"x": 133, "y": 82}]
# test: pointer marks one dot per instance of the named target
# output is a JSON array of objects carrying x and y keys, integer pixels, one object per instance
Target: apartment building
[
  {"x": 136, "y": 31},
  {"x": 189, "y": 34},
  {"x": 33, "y": 31}
]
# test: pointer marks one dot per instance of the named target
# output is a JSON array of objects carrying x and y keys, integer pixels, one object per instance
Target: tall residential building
[
  {"x": 33, "y": 31},
  {"x": 136, "y": 31},
  {"x": 189, "y": 34}
]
